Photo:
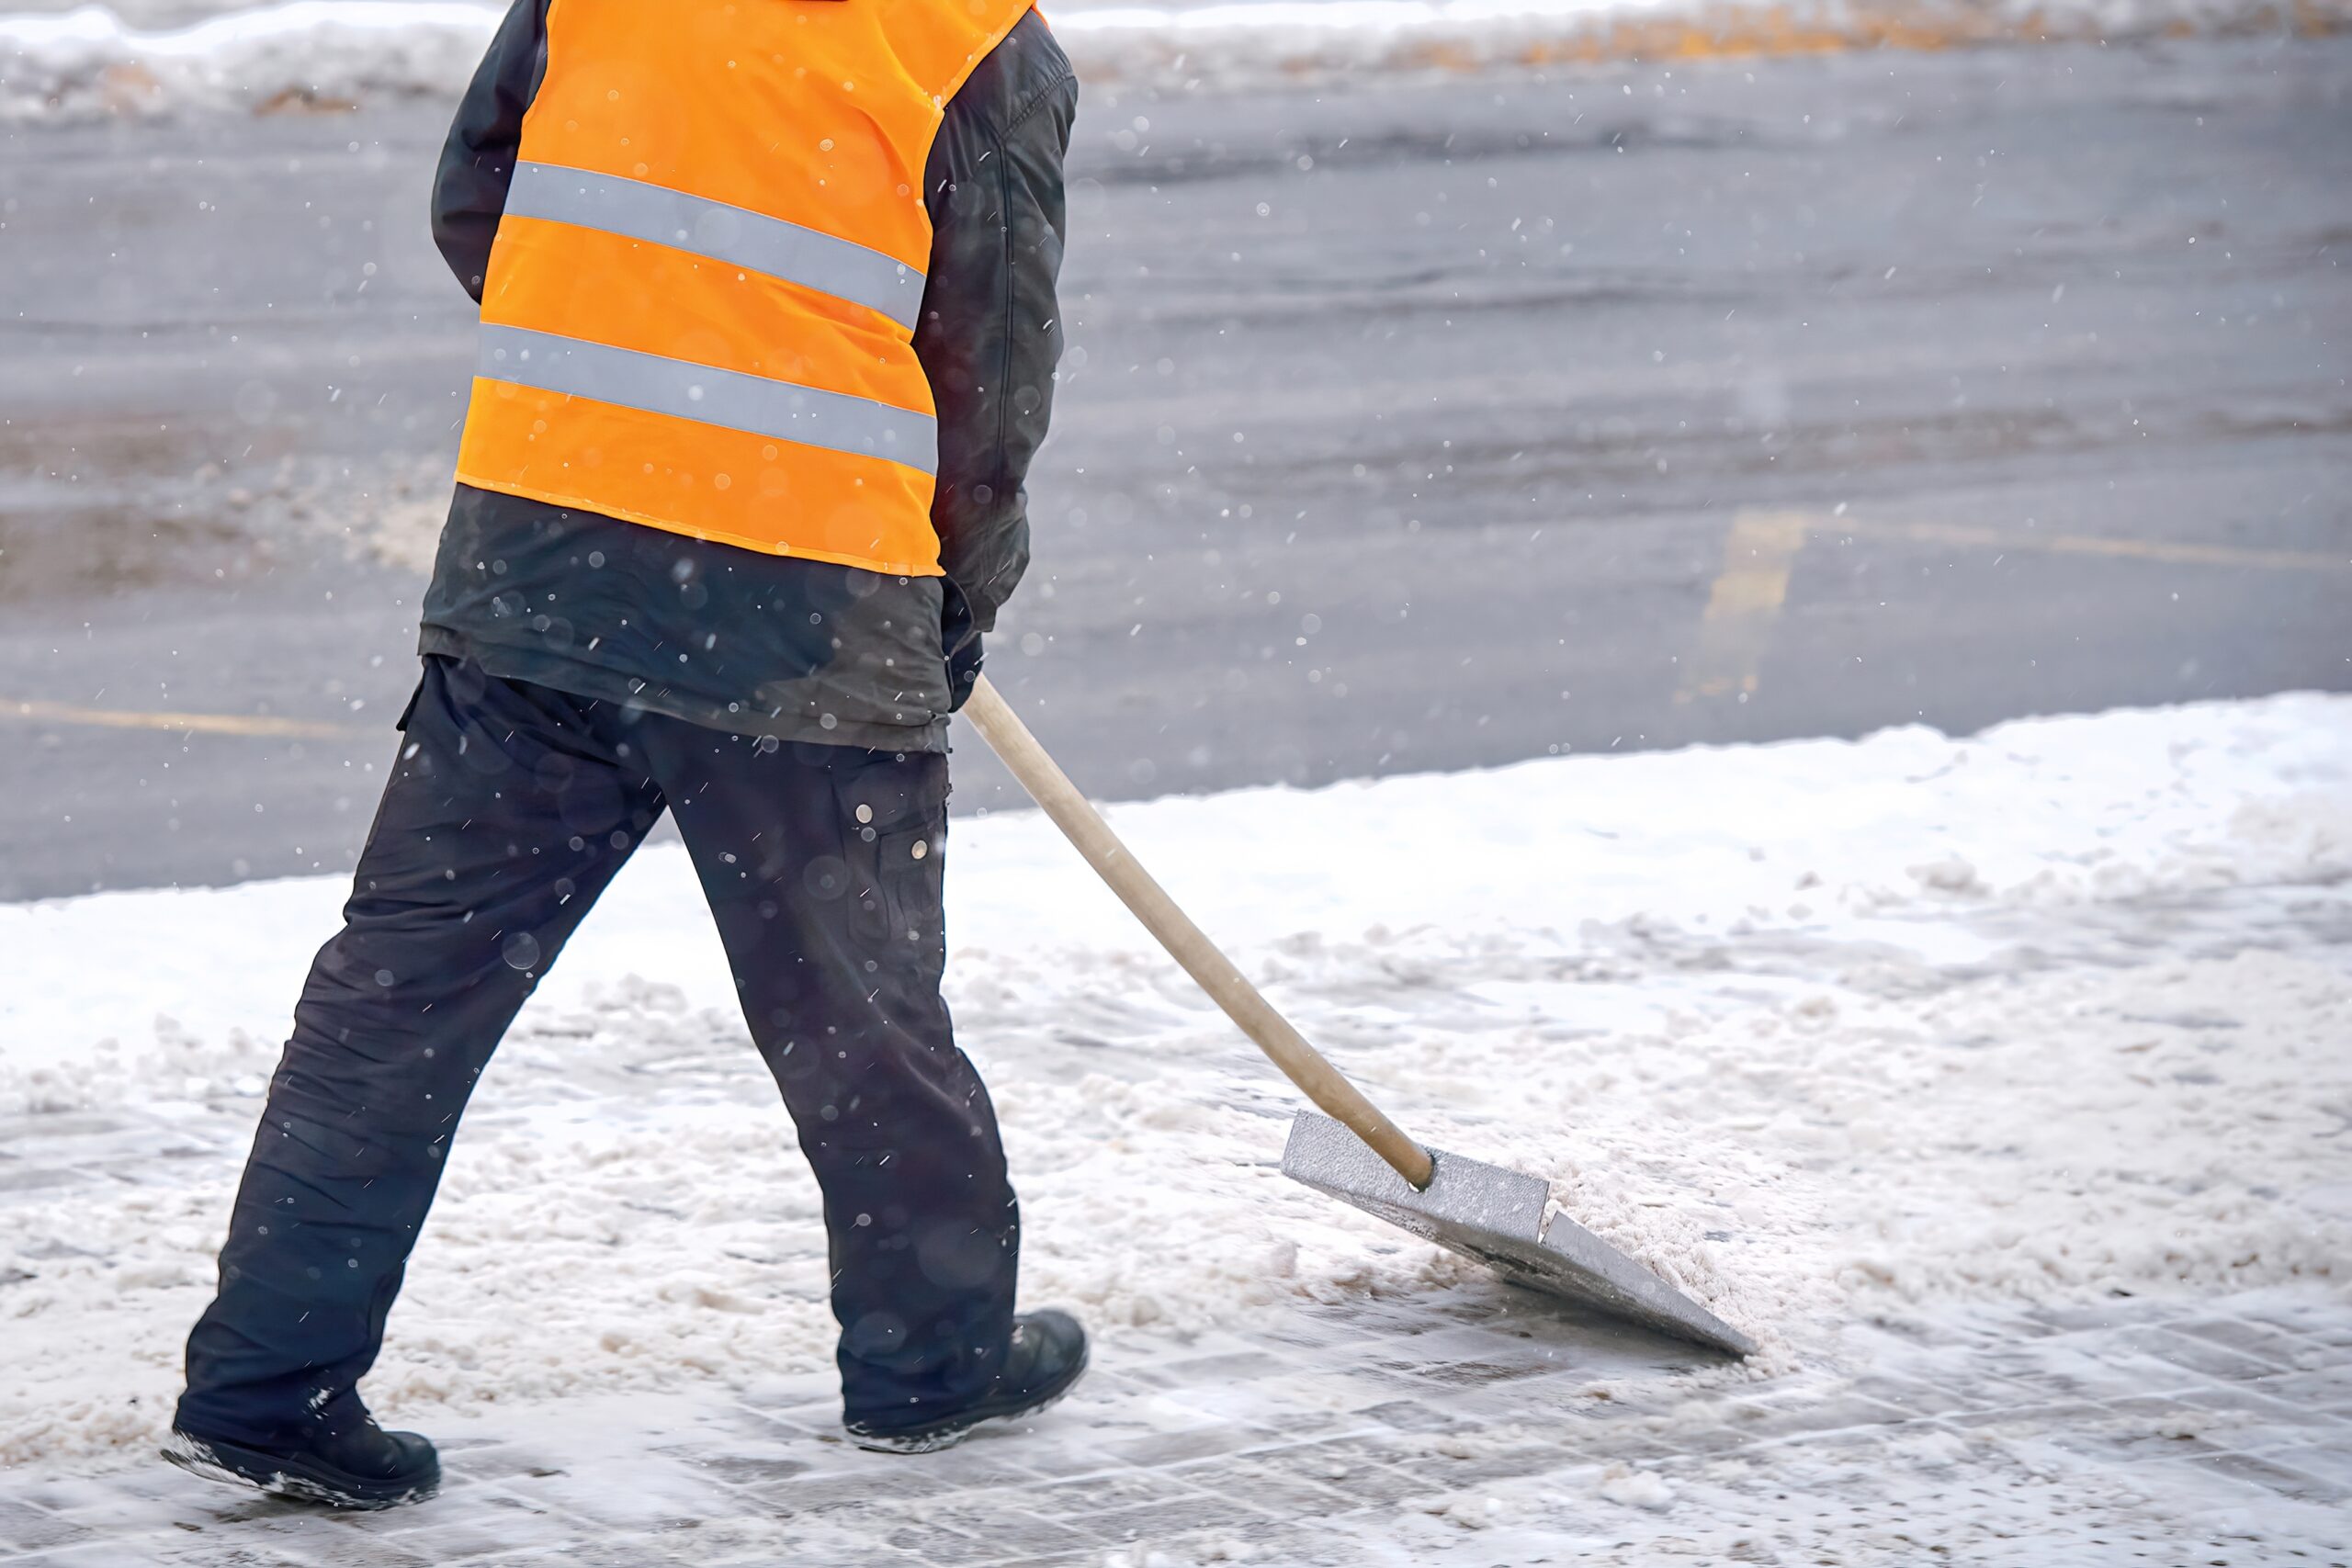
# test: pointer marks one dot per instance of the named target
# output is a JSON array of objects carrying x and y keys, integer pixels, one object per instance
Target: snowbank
[
  {"x": 1819, "y": 1029},
  {"x": 334, "y": 52}
]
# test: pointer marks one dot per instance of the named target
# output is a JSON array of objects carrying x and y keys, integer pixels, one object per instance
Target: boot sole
[
  {"x": 931, "y": 1439},
  {"x": 281, "y": 1477}
]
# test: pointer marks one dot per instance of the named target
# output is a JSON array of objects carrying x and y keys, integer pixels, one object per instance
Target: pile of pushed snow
[
  {"x": 322, "y": 51},
  {"x": 334, "y": 52},
  {"x": 1814, "y": 1029}
]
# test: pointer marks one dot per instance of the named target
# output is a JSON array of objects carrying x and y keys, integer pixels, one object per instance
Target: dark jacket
[{"x": 771, "y": 645}]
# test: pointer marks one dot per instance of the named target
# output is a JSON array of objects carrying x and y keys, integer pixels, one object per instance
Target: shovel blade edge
[{"x": 1497, "y": 1216}]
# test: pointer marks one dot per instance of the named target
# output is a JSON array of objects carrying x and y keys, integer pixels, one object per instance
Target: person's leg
[
  {"x": 823, "y": 866},
  {"x": 509, "y": 808}
]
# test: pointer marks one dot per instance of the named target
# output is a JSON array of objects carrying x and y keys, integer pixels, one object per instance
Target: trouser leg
[
  {"x": 506, "y": 813},
  {"x": 823, "y": 866}
]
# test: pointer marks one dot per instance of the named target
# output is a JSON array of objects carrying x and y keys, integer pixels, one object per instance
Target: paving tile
[
  {"x": 1175, "y": 1448},
  {"x": 625, "y": 1552},
  {"x": 1476, "y": 1371},
  {"x": 1762, "y": 1420},
  {"x": 978, "y": 1465},
  {"x": 1233, "y": 1366},
  {"x": 938, "y": 1545},
  {"x": 2325, "y": 1387},
  {"x": 754, "y": 1470},
  {"x": 2316, "y": 1324},
  {"x": 2250, "y": 1403},
  {"x": 1357, "y": 1459},
  {"x": 1175, "y": 1516},
  {"x": 1450, "y": 1473},
  {"x": 817, "y": 1495},
  {"x": 464, "y": 1540},
  {"x": 28, "y": 1529},
  {"x": 1104, "y": 1492},
  {"x": 2112, "y": 1368},
  {"x": 65, "y": 1493},
  {"x": 1007, "y": 1530},
  {"x": 1068, "y": 1461},
  {"x": 678, "y": 1502},
  {"x": 128, "y": 1519},
  {"x": 2287, "y": 1480},
  {"x": 2136, "y": 1445},
  {"x": 2264, "y": 1341},
  {"x": 1501, "y": 1464},
  {"x": 2096, "y": 1317},
  {"x": 2034, "y": 1417},
  {"x": 2200, "y": 1354},
  {"x": 1271, "y": 1488},
  {"x": 296, "y": 1532},
  {"x": 2331, "y": 1462},
  {"x": 871, "y": 1512},
  {"x": 1294, "y": 1450},
  {"x": 2162, "y": 1408},
  {"x": 1632, "y": 1447},
  {"x": 1412, "y": 1416},
  {"x": 1916, "y": 1398},
  {"x": 502, "y": 1462}
]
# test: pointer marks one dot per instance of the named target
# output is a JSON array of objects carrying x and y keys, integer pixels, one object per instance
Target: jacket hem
[
  {"x": 708, "y": 535},
  {"x": 597, "y": 682}
]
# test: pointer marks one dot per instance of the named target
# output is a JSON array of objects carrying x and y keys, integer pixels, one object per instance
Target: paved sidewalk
[
  {"x": 1480, "y": 1429},
  {"x": 1368, "y": 1412}
]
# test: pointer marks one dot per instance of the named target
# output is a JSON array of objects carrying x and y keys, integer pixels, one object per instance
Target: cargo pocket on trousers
[
  {"x": 890, "y": 804},
  {"x": 912, "y": 885}
]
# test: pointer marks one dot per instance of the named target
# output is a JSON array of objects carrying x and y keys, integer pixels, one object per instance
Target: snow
[
  {"x": 1637, "y": 1488},
  {"x": 97, "y": 59},
  {"x": 1824, "y": 1030}
]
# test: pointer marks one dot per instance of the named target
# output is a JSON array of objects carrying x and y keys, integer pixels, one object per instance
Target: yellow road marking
[
  {"x": 180, "y": 723},
  {"x": 1742, "y": 608},
  {"x": 2089, "y": 545},
  {"x": 1745, "y": 604}
]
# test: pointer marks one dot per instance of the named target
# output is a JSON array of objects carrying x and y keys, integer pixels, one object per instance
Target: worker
[{"x": 767, "y": 344}]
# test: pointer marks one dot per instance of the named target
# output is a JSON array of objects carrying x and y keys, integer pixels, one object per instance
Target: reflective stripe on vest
[
  {"x": 700, "y": 306},
  {"x": 720, "y": 231},
  {"x": 684, "y": 389}
]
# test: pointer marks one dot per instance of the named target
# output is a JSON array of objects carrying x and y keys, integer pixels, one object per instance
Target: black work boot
[
  {"x": 347, "y": 1462},
  {"x": 1046, "y": 1358}
]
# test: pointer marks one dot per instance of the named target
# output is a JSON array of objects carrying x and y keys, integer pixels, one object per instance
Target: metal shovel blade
[{"x": 1497, "y": 1216}]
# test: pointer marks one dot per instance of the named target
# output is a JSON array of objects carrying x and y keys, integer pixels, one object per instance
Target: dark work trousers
[{"x": 509, "y": 809}]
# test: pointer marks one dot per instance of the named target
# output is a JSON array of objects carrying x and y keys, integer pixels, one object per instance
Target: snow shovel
[{"x": 1484, "y": 1211}]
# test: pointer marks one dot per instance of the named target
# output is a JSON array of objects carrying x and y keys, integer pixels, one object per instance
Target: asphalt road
[{"x": 1428, "y": 426}]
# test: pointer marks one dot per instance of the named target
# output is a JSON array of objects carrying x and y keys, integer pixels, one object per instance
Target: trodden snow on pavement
[{"x": 1838, "y": 1036}]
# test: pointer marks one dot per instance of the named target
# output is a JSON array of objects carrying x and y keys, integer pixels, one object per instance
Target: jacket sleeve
[
  {"x": 991, "y": 331},
  {"x": 477, "y": 163}
]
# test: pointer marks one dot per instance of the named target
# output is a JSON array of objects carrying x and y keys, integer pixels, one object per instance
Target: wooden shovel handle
[{"x": 1185, "y": 941}]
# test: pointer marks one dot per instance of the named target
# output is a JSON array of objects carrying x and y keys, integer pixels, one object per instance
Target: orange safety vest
[{"x": 699, "y": 313}]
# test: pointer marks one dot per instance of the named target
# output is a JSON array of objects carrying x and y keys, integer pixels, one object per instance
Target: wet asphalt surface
[{"x": 1404, "y": 429}]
